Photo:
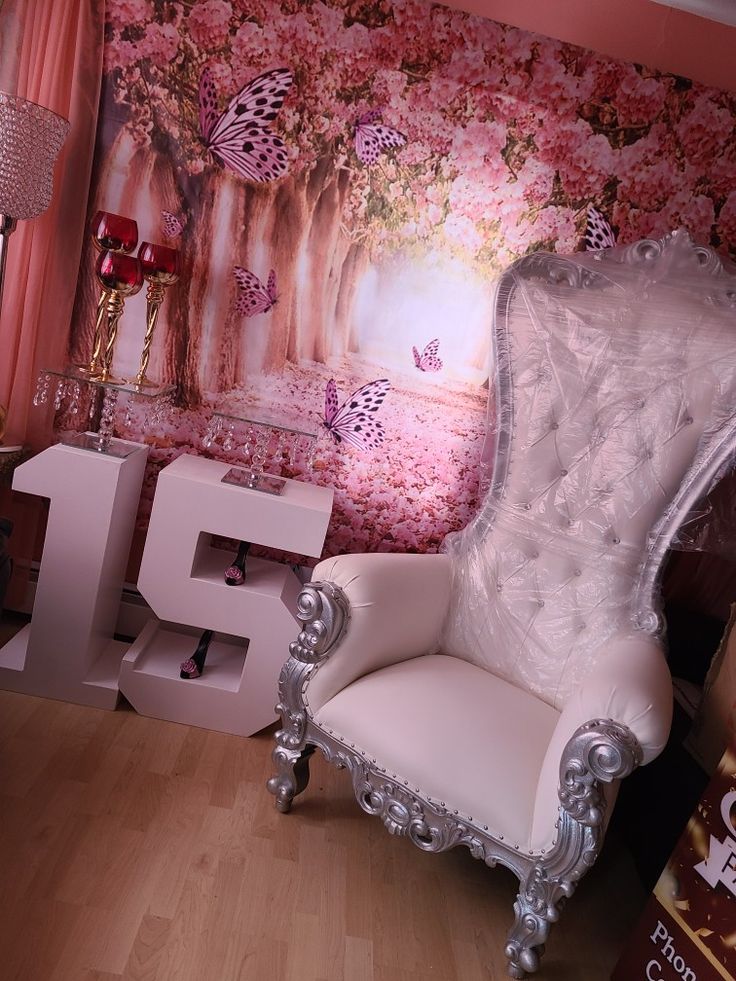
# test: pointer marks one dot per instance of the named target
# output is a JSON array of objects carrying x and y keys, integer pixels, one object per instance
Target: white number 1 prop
[{"x": 67, "y": 651}]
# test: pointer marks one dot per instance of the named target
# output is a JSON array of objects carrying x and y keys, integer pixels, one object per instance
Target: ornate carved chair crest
[{"x": 493, "y": 695}]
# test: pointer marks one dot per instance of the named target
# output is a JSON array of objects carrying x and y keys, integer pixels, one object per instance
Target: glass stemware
[
  {"x": 121, "y": 276},
  {"x": 110, "y": 233},
  {"x": 113, "y": 233},
  {"x": 160, "y": 265}
]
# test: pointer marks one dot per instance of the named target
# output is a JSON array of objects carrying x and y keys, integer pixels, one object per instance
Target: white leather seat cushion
[{"x": 455, "y": 733}]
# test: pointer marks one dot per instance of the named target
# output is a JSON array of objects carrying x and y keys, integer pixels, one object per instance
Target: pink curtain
[{"x": 51, "y": 53}]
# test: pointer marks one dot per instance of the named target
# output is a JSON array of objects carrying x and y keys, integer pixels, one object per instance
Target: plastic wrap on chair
[
  {"x": 711, "y": 525},
  {"x": 613, "y": 412}
]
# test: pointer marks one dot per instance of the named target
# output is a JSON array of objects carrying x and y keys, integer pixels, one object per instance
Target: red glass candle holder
[
  {"x": 120, "y": 275},
  {"x": 119, "y": 234},
  {"x": 114, "y": 233},
  {"x": 160, "y": 264}
]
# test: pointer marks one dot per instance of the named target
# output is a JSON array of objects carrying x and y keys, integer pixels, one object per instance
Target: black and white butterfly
[
  {"x": 353, "y": 422},
  {"x": 598, "y": 232},
  {"x": 428, "y": 359},
  {"x": 240, "y": 137},
  {"x": 372, "y": 137},
  {"x": 171, "y": 225},
  {"x": 253, "y": 296}
]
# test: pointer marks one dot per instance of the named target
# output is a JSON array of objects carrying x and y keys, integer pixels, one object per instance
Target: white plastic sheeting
[{"x": 618, "y": 386}]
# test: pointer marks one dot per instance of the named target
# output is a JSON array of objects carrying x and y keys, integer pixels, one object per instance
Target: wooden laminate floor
[{"x": 132, "y": 848}]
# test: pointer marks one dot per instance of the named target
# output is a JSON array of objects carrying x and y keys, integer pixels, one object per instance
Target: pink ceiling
[{"x": 636, "y": 30}]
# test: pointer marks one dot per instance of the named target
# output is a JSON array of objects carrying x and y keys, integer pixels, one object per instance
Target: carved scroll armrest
[
  {"x": 364, "y": 612},
  {"x": 324, "y": 609},
  {"x": 600, "y": 751},
  {"x": 627, "y": 700}
]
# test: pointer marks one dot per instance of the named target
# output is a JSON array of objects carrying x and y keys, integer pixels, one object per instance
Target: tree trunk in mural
[
  {"x": 183, "y": 338},
  {"x": 293, "y": 238},
  {"x": 170, "y": 347},
  {"x": 202, "y": 345},
  {"x": 228, "y": 360},
  {"x": 294, "y": 227},
  {"x": 354, "y": 266},
  {"x": 286, "y": 230},
  {"x": 180, "y": 341},
  {"x": 326, "y": 246}
]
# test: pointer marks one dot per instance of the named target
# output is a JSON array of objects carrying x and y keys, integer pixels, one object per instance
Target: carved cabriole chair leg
[
  {"x": 525, "y": 945},
  {"x": 324, "y": 610},
  {"x": 536, "y": 908},
  {"x": 301, "y": 769},
  {"x": 292, "y": 775}
]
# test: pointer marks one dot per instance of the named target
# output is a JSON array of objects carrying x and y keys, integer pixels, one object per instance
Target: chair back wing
[{"x": 615, "y": 402}]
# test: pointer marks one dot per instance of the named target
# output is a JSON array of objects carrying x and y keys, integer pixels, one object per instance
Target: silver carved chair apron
[{"x": 495, "y": 694}]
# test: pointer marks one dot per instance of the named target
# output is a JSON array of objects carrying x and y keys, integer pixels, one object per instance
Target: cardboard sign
[
  {"x": 688, "y": 929},
  {"x": 714, "y": 725}
]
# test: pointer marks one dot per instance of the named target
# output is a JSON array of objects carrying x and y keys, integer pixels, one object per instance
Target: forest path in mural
[{"x": 406, "y": 495}]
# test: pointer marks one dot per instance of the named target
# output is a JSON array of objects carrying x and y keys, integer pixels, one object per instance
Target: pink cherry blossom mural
[{"x": 345, "y": 180}]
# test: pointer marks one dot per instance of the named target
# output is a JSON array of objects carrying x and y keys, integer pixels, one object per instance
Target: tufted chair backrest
[{"x": 615, "y": 408}]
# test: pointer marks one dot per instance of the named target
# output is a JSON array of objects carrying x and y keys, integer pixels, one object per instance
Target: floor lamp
[{"x": 30, "y": 140}]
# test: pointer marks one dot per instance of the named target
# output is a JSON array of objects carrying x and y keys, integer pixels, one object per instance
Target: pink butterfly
[
  {"x": 372, "y": 137},
  {"x": 598, "y": 232},
  {"x": 351, "y": 422},
  {"x": 172, "y": 225},
  {"x": 240, "y": 138},
  {"x": 253, "y": 296},
  {"x": 428, "y": 360}
]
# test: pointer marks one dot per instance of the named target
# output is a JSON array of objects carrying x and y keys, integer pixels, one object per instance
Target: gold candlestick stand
[
  {"x": 114, "y": 305},
  {"x": 154, "y": 299},
  {"x": 94, "y": 367}
]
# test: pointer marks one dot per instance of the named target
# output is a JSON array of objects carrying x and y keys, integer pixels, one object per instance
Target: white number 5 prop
[{"x": 182, "y": 579}]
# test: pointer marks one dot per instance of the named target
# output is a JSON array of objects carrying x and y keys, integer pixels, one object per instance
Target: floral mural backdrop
[{"x": 345, "y": 179}]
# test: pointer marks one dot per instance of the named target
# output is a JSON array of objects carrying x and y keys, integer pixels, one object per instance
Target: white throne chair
[{"x": 495, "y": 694}]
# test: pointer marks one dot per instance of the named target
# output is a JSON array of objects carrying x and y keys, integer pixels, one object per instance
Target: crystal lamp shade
[{"x": 30, "y": 140}]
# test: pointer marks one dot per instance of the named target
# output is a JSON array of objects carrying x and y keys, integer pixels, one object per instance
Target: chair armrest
[
  {"x": 396, "y": 607},
  {"x": 630, "y": 686}
]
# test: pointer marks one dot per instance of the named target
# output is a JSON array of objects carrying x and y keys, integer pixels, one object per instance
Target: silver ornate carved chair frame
[{"x": 599, "y": 752}]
